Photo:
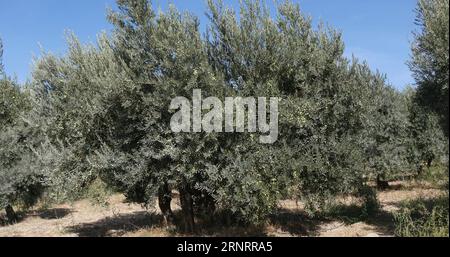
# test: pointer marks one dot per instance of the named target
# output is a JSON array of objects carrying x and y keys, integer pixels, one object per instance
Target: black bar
[{"x": 234, "y": 246}]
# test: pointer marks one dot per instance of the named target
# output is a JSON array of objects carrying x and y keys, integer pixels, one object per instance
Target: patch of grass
[
  {"x": 437, "y": 175},
  {"x": 423, "y": 218}
]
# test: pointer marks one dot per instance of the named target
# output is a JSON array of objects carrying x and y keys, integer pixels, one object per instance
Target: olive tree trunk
[
  {"x": 381, "y": 183},
  {"x": 164, "y": 200},
  {"x": 187, "y": 207},
  {"x": 11, "y": 214}
]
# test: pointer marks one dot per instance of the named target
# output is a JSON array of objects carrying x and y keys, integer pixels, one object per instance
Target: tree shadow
[
  {"x": 5, "y": 222},
  {"x": 118, "y": 225},
  {"x": 53, "y": 214},
  {"x": 348, "y": 214},
  {"x": 47, "y": 214},
  {"x": 20, "y": 216},
  {"x": 297, "y": 223},
  {"x": 219, "y": 224},
  {"x": 294, "y": 222},
  {"x": 381, "y": 220}
]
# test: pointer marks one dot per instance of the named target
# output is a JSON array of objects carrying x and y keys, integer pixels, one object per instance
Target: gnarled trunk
[
  {"x": 164, "y": 200},
  {"x": 11, "y": 214},
  {"x": 430, "y": 162},
  {"x": 420, "y": 170},
  {"x": 187, "y": 207},
  {"x": 381, "y": 183},
  {"x": 204, "y": 206}
]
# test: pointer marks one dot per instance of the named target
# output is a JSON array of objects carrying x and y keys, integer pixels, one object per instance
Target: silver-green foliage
[
  {"x": 430, "y": 57},
  {"x": 104, "y": 111},
  {"x": 21, "y": 178}
]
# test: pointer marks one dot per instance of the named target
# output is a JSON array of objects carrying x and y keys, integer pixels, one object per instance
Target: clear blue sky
[{"x": 378, "y": 31}]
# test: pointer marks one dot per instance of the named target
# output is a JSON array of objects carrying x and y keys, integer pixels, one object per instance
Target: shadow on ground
[
  {"x": 296, "y": 223},
  {"x": 49, "y": 214},
  {"x": 121, "y": 225},
  {"x": 299, "y": 223},
  {"x": 53, "y": 214},
  {"x": 118, "y": 225},
  {"x": 381, "y": 220},
  {"x": 4, "y": 220}
]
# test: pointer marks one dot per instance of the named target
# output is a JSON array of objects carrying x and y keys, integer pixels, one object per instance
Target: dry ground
[{"x": 123, "y": 219}]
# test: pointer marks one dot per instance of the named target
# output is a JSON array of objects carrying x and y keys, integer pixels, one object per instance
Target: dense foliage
[
  {"x": 21, "y": 178},
  {"x": 428, "y": 112},
  {"x": 430, "y": 57},
  {"x": 429, "y": 64},
  {"x": 101, "y": 113}
]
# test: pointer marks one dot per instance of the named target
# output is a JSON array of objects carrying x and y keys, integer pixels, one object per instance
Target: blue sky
[{"x": 378, "y": 31}]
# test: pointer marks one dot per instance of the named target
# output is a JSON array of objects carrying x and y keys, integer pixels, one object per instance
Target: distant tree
[
  {"x": 428, "y": 143},
  {"x": 386, "y": 138},
  {"x": 430, "y": 58}
]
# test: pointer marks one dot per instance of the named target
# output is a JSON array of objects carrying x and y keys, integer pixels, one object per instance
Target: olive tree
[
  {"x": 430, "y": 57},
  {"x": 21, "y": 179},
  {"x": 105, "y": 112},
  {"x": 107, "y": 108}
]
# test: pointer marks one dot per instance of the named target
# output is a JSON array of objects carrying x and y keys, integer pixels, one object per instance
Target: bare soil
[{"x": 82, "y": 219}]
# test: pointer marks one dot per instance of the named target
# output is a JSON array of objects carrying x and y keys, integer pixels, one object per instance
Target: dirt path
[{"x": 123, "y": 219}]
